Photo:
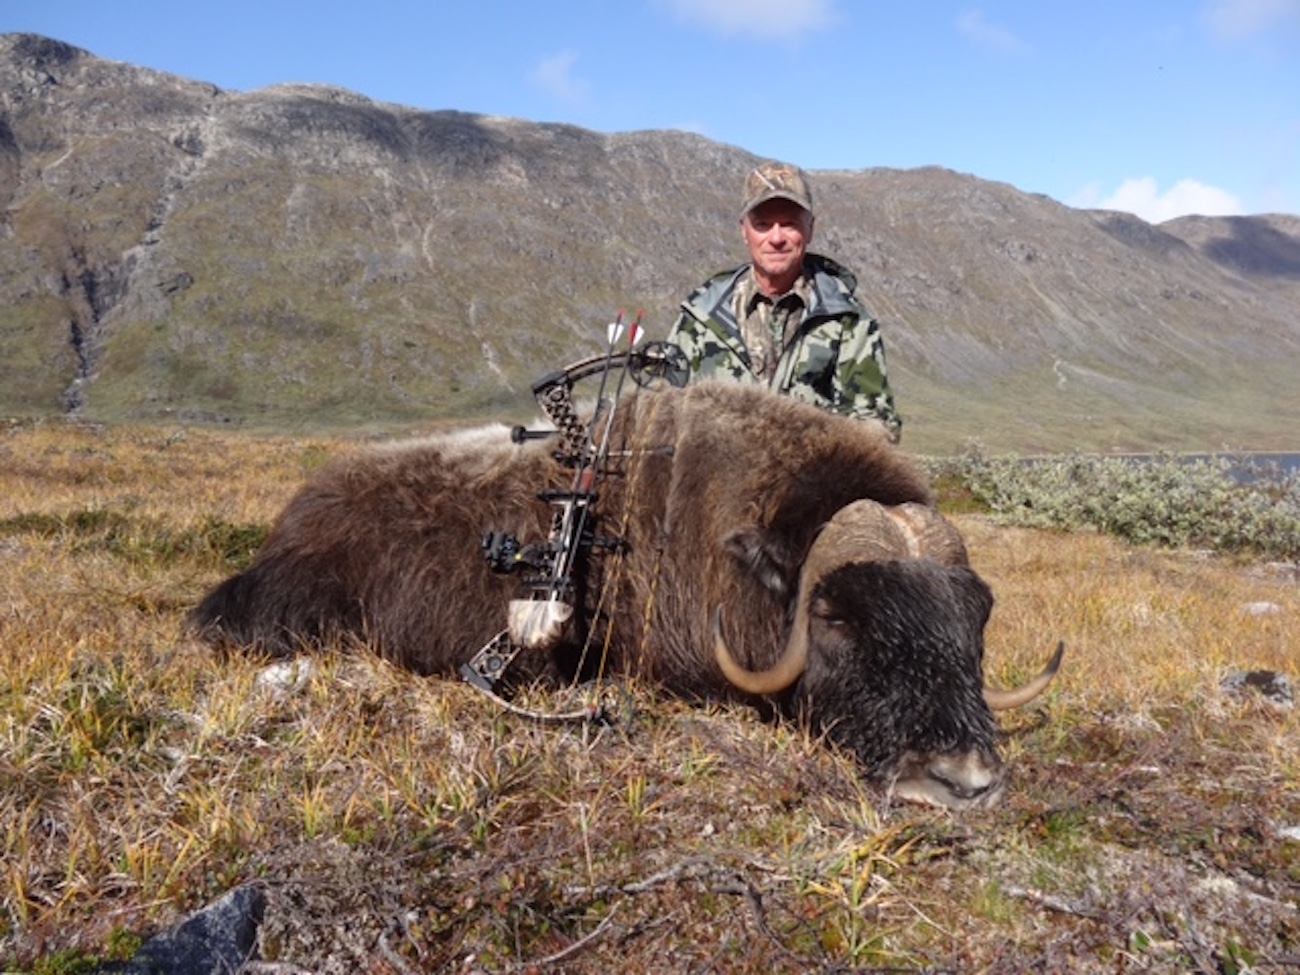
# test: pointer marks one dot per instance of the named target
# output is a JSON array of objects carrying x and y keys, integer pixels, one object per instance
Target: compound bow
[{"x": 551, "y": 567}]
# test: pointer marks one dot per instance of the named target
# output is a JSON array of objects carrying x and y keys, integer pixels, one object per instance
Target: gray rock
[
  {"x": 218, "y": 940},
  {"x": 1261, "y": 609},
  {"x": 1272, "y": 686}
]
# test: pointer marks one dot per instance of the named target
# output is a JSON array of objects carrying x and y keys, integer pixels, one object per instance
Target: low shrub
[{"x": 1225, "y": 504}]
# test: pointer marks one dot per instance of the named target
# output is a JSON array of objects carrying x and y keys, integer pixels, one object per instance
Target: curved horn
[
  {"x": 787, "y": 670},
  {"x": 862, "y": 527},
  {"x": 1000, "y": 700},
  {"x": 928, "y": 534}
]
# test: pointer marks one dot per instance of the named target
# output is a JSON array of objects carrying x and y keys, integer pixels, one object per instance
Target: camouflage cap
[{"x": 774, "y": 180}]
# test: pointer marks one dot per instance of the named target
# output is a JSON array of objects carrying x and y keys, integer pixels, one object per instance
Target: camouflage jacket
[{"x": 836, "y": 359}]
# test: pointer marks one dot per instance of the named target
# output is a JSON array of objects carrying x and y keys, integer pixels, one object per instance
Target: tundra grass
[{"x": 400, "y": 824}]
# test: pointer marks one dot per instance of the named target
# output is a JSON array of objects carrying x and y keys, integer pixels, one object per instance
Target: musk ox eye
[{"x": 826, "y": 613}]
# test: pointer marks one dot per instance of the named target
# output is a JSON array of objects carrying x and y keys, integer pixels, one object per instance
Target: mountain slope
[{"x": 304, "y": 255}]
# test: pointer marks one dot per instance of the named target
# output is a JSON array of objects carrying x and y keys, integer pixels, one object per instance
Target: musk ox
[{"x": 747, "y": 546}]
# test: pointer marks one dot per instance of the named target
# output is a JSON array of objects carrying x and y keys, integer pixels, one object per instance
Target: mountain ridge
[{"x": 304, "y": 255}]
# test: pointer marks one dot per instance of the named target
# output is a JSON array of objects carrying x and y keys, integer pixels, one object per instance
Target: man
[{"x": 788, "y": 318}]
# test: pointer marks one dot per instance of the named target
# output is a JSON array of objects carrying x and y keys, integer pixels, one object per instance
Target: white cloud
[
  {"x": 1236, "y": 19},
  {"x": 973, "y": 26},
  {"x": 762, "y": 19},
  {"x": 555, "y": 76},
  {"x": 1143, "y": 197}
]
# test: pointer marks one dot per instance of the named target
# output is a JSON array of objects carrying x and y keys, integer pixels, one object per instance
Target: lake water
[{"x": 1246, "y": 466}]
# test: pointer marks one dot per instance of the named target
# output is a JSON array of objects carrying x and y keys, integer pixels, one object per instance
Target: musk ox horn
[
  {"x": 787, "y": 670},
  {"x": 862, "y": 531},
  {"x": 928, "y": 534},
  {"x": 1000, "y": 700}
]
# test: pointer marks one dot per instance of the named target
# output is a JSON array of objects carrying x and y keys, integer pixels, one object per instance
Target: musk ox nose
[{"x": 956, "y": 780}]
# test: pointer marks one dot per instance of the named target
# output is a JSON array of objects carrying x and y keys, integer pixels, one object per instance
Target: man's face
[{"x": 777, "y": 234}]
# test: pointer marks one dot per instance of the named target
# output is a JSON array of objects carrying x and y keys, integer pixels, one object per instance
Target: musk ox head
[{"x": 886, "y": 652}]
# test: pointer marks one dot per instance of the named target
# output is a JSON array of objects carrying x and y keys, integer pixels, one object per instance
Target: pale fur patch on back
[{"x": 489, "y": 440}]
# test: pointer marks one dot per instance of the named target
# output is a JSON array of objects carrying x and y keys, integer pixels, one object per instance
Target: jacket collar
[{"x": 832, "y": 292}]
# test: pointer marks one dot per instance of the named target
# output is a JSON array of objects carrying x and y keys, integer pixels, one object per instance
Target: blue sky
[{"x": 1158, "y": 107}]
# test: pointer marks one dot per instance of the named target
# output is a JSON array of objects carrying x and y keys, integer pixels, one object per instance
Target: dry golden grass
[{"x": 406, "y": 825}]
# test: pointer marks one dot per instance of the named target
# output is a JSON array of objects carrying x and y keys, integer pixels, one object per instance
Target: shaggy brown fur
[{"x": 718, "y": 500}]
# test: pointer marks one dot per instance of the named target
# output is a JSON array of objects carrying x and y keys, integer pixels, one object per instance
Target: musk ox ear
[{"x": 764, "y": 558}]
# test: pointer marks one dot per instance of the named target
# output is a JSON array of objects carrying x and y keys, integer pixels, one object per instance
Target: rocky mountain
[{"x": 304, "y": 256}]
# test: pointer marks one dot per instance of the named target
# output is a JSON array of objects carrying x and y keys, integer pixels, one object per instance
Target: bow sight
[
  {"x": 549, "y": 568},
  {"x": 654, "y": 363}
]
